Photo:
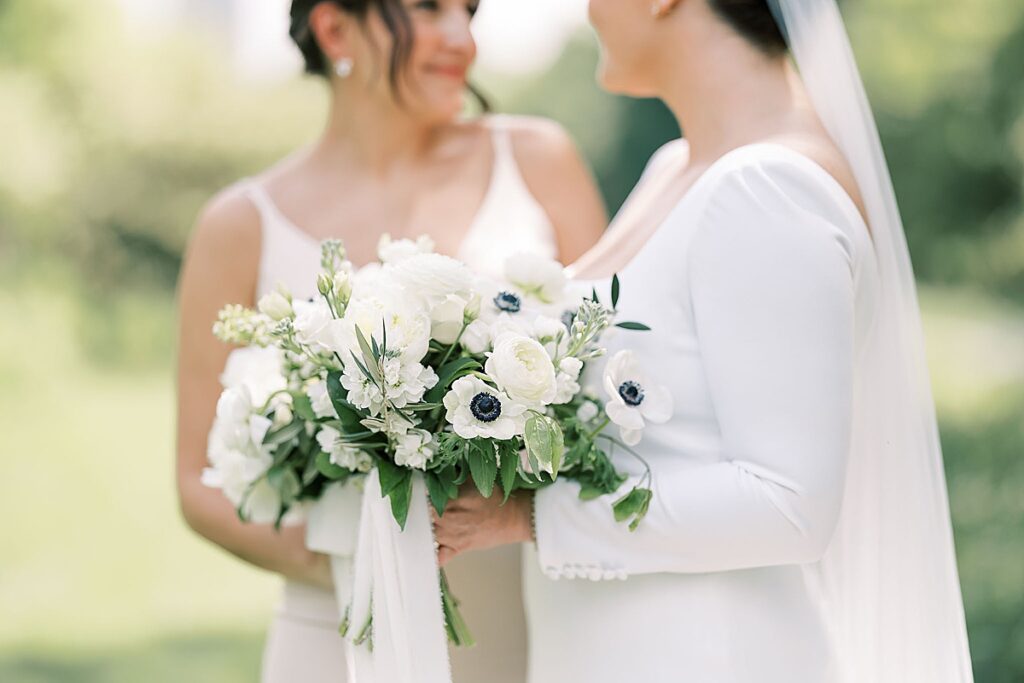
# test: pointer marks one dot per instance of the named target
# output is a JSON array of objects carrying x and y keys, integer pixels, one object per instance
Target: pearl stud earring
[{"x": 343, "y": 67}]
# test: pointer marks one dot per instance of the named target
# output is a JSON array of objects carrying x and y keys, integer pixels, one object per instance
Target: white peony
[
  {"x": 394, "y": 251},
  {"x": 321, "y": 401},
  {"x": 522, "y": 368},
  {"x": 537, "y": 277},
  {"x": 414, "y": 449},
  {"x": 342, "y": 454},
  {"x": 633, "y": 398},
  {"x": 475, "y": 409}
]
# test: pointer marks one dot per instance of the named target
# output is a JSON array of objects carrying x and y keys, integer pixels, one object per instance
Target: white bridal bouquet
[{"x": 416, "y": 370}]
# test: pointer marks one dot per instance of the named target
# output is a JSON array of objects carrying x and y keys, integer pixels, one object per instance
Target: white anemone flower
[
  {"x": 633, "y": 398},
  {"x": 476, "y": 409}
]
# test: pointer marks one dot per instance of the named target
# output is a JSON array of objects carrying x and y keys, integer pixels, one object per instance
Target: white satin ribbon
[{"x": 396, "y": 579}]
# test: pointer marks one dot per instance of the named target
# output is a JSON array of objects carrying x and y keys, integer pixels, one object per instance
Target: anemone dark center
[
  {"x": 508, "y": 302},
  {"x": 632, "y": 393},
  {"x": 485, "y": 407}
]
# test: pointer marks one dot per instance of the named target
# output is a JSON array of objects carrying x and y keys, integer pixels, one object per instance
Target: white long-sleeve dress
[{"x": 760, "y": 288}]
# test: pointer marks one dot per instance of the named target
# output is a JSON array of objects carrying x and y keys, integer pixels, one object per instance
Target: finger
[{"x": 445, "y": 555}]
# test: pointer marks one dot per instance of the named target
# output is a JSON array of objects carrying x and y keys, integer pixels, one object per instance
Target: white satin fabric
[
  {"x": 303, "y": 642},
  {"x": 761, "y": 288}
]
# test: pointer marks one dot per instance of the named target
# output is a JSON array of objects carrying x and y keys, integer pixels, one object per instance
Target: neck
[
  {"x": 375, "y": 135},
  {"x": 731, "y": 96}
]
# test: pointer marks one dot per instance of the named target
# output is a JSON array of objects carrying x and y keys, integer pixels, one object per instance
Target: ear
[
  {"x": 333, "y": 28},
  {"x": 663, "y": 8}
]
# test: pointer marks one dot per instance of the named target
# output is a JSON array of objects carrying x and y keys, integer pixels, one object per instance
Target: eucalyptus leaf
[
  {"x": 615, "y": 292},
  {"x": 636, "y": 327}
]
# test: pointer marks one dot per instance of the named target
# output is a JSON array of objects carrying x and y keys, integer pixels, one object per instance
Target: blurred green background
[{"x": 111, "y": 141}]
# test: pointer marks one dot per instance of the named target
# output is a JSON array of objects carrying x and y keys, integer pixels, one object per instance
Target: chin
[{"x": 617, "y": 82}]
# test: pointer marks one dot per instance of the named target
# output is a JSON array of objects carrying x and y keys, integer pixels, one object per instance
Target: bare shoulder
[
  {"x": 224, "y": 247},
  {"x": 538, "y": 140}
]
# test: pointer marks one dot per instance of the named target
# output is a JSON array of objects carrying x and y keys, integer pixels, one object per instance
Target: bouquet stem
[{"x": 455, "y": 624}]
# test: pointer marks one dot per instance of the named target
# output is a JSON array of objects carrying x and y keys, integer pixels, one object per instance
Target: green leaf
[
  {"x": 508, "y": 467},
  {"x": 483, "y": 465},
  {"x": 400, "y": 496},
  {"x": 348, "y": 414},
  {"x": 633, "y": 504},
  {"x": 370, "y": 356},
  {"x": 438, "y": 491},
  {"x": 636, "y": 327},
  {"x": 286, "y": 433},
  {"x": 591, "y": 492},
  {"x": 391, "y": 476},
  {"x": 303, "y": 407},
  {"x": 329, "y": 469},
  {"x": 615, "y": 292},
  {"x": 545, "y": 444},
  {"x": 447, "y": 374},
  {"x": 557, "y": 447},
  {"x": 285, "y": 482}
]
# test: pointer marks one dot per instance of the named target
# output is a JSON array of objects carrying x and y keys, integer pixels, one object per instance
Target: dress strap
[{"x": 256, "y": 193}]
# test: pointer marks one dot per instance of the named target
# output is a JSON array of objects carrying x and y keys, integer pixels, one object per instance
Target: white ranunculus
[
  {"x": 567, "y": 380},
  {"x": 414, "y": 449},
  {"x": 407, "y": 324},
  {"x": 536, "y": 276},
  {"x": 313, "y": 323},
  {"x": 258, "y": 370},
  {"x": 340, "y": 453},
  {"x": 275, "y": 306},
  {"x": 522, "y": 368},
  {"x": 394, "y": 251},
  {"x": 633, "y": 397},
  {"x": 431, "y": 278},
  {"x": 476, "y": 409},
  {"x": 321, "y": 401}
]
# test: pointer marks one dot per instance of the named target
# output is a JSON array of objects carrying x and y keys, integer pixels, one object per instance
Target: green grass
[{"x": 101, "y": 581}]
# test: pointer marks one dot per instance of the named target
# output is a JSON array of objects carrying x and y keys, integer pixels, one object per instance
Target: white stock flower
[
  {"x": 475, "y": 409},
  {"x": 414, "y": 449},
  {"x": 536, "y": 276},
  {"x": 633, "y": 398},
  {"x": 321, "y": 401},
  {"x": 522, "y": 369},
  {"x": 340, "y": 453},
  {"x": 393, "y": 251},
  {"x": 567, "y": 380},
  {"x": 403, "y": 383},
  {"x": 275, "y": 306}
]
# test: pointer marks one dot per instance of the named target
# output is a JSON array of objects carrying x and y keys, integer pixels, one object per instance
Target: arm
[
  {"x": 772, "y": 294},
  {"x": 220, "y": 267},
  {"x": 562, "y": 183}
]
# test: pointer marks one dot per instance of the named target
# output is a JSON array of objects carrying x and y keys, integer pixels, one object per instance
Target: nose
[{"x": 457, "y": 32}]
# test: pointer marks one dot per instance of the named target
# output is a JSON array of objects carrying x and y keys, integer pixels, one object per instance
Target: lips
[{"x": 454, "y": 72}]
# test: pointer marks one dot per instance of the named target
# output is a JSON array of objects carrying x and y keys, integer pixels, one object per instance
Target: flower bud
[
  {"x": 343, "y": 285},
  {"x": 275, "y": 306},
  {"x": 324, "y": 284}
]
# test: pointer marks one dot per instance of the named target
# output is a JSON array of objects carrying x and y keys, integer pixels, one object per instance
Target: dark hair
[
  {"x": 753, "y": 20},
  {"x": 395, "y": 18}
]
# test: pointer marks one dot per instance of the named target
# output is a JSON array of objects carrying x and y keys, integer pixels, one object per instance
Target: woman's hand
[{"x": 472, "y": 522}]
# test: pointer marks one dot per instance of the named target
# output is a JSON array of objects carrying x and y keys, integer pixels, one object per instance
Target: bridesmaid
[{"x": 394, "y": 157}]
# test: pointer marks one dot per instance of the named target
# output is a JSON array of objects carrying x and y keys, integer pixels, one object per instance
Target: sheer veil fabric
[{"x": 890, "y": 576}]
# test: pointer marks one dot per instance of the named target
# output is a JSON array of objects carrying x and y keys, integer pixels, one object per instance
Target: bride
[
  {"x": 799, "y": 529},
  {"x": 394, "y": 158}
]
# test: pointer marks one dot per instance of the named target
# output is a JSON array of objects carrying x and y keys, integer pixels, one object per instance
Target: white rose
[
  {"x": 536, "y": 276},
  {"x": 393, "y": 251},
  {"x": 275, "y": 306},
  {"x": 313, "y": 323},
  {"x": 522, "y": 369}
]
